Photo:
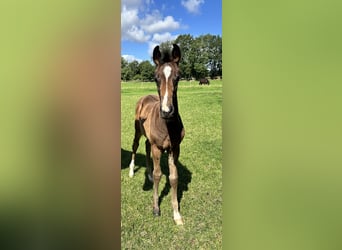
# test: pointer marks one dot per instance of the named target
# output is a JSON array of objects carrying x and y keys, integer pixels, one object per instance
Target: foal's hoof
[
  {"x": 156, "y": 212},
  {"x": 131, "y": 170},
  {"x": 131, "y": 173},
  {"x": 179, "y": 222}
]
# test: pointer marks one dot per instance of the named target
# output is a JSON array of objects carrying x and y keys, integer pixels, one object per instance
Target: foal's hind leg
[
  {"x": 148, "y": 160},
  {"x": 134, "y": 147}
]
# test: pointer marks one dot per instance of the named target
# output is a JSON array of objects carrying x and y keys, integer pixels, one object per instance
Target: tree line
[{"x": 201, "y": 57}]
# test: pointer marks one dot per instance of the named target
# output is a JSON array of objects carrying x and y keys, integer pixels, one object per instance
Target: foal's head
[{"x": 167, "y": 77}]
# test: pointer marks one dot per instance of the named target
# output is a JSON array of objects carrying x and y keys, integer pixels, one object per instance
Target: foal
[{"x": 157, "y": 118}]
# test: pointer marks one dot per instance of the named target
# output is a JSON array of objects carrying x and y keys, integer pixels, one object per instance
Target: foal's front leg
[
  {"x": 156, "y": 154},
  {"x": 173, "y": 178}
]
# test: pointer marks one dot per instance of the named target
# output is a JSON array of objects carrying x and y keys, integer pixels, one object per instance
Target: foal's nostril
[
  {"x": 169, "y": 113},
  {"x": 171, "y": 110}
]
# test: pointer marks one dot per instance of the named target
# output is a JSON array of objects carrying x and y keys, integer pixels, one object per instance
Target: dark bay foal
[{"x": 158, "y": 119}]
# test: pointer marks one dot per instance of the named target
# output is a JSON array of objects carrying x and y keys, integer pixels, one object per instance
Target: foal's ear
[
  {"x": 156, "y": 55},
  {"x": 176, "y": 53}
]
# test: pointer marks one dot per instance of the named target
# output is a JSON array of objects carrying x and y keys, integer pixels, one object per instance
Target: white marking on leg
[
  {"x": 176, "y": 215},
  {"x": 177, "y": 218},
  {"x": 167, "y": 73},
  {"x": 131, "y": 169}
]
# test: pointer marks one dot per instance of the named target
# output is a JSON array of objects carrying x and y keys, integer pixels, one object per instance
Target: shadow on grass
[
  {"x": 140, "y": 161},
  {"x": 184, "y": 175}
]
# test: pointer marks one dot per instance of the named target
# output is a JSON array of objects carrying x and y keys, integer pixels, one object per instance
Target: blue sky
[{"x": 146, "y": 23}]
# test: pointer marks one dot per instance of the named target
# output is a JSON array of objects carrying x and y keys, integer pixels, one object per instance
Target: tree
[
  {"x": 186, "y": 64},
  {"x": 126, "y": 74},
  {"x": 166, "y": 46},
  {"x": 146, "y": 71},
  {"x": 124, "y": 64},
  {"x": 201, "y": 57},
  {"x": 199, "y": 70},
  {"x": 134, "y": 67},
  {"x": 215, "y": 56}
]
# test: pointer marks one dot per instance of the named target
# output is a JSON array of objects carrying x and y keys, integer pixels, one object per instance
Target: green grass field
[{"x": 200, "y": 174}]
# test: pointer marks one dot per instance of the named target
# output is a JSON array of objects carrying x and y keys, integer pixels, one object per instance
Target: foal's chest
[{"x": 157, "y": 135}]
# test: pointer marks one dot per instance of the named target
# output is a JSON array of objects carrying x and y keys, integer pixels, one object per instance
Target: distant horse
[
  {"x": 158, "y": 119},
  {"x": 203, "y": 81}
]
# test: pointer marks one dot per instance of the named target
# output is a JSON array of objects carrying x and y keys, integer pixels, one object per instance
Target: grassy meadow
[{"x": 200, "y": 174}]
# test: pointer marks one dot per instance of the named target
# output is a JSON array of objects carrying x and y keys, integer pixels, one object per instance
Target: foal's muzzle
[{"x": 167, "y": 114}]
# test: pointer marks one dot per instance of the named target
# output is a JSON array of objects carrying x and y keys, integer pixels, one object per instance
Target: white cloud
[
  {"x": 129, "y": 17},
  {"x": 154, "y": 23},
  {"x": 151, "y": 46},
  {"x": 129, "y": 25},
  {"x": 131, "y": 3},
  {"x": 131, "y": 58},
  {"x": 192, "y": 6},
  {"x": 136, "y": 34},
  {"x": 160, "y": 38},
  {"x": 139, "y": 24}
]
